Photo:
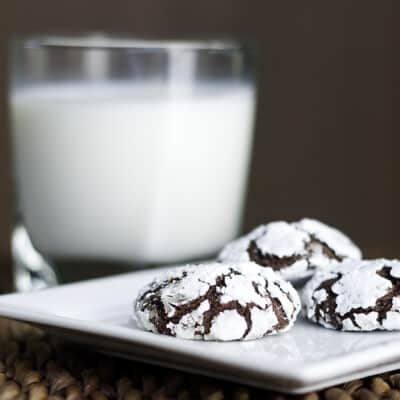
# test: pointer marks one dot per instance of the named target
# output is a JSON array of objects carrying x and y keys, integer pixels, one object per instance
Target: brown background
[{"x": 326, "y": 143}]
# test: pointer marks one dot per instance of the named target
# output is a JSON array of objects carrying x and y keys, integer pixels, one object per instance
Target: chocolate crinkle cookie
[
  {"x": 293, "y": 249},
  {"x": 217, "y": 302},
  {"x": 355, "y": 296}
]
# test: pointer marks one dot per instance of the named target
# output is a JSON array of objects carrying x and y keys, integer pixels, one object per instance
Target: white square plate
[{"x": 309, "y": 357}]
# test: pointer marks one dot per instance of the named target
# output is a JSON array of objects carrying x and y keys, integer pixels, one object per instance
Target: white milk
[{"x": 131, "y": 174}]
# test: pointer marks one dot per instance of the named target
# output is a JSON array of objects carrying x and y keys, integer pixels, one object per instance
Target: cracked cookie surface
[
  {"x": 355, "y": 296},
  {"x": 294, "y": 250},
  {"x": 217, "y": 302}
]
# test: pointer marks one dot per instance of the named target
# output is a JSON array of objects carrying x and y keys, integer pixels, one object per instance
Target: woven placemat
[{"x": 36, "y": 366}]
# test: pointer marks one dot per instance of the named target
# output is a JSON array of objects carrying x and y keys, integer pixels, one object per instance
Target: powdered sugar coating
[
  {"x": 294, "y": 250},
  {"x": 332, "y": 237},
  {"x": 355, "y": 296},
  {"x": 217, "y": 302}
]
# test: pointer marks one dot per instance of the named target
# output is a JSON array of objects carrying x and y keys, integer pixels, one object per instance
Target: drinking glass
[{"x": 127, "y": 153}]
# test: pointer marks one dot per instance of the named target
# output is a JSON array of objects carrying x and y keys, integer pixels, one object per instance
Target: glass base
[{"x": 33, "y": 271}]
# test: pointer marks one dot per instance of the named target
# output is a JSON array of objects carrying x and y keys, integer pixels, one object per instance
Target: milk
[{"x": 131, "y": 172}]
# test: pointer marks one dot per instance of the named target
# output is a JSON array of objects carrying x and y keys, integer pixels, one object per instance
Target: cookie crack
[
  {"x": 161, "y": 320},
  {"x": 152, "y": 299},
  {"x": 288, "y": 295},
  {"x": 382, "y": 305},
  {"x": 149, "y": 298},
  {"x": 270, "y": 260},
  {"x": 327, "y": 307},
  {"x": 277, "y": 263},
  {"x": 326, "y": 250},
  {"x": 280, "y": 315}
]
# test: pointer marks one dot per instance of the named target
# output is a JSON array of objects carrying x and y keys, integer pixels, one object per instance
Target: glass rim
[{"x": 103, "y": 41}]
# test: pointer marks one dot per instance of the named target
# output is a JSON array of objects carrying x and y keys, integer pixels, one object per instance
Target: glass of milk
[{"x": 127, "y": 153}]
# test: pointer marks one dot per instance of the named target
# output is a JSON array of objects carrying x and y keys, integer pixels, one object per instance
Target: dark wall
[{"x": 326, "y": 143}]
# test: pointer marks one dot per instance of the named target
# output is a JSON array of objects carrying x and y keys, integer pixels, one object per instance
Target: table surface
[{"x": 36, "y": 366}]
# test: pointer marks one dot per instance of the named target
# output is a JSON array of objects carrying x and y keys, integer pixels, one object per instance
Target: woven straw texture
[{"x": 35, "y": 366}]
